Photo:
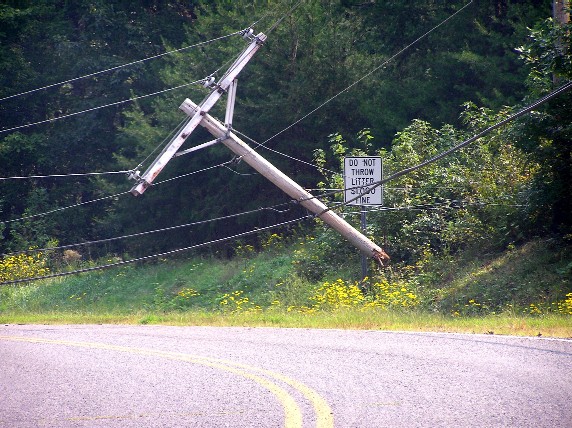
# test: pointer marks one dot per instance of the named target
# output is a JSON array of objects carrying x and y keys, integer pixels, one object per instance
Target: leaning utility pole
[
  {"x": 223, "y": 133},
  {"x": 286, "y": 184}
]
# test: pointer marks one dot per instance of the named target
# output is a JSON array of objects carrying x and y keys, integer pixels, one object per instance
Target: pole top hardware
[
  {"x": 209, "y": 81},
  {"x": 247, "y": 33},
  {"x": 217, "y": 90},
  {"x": 134, "y": 175}
]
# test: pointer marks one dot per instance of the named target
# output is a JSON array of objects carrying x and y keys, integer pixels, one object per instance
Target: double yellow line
[{"x": 265, "y": 378}]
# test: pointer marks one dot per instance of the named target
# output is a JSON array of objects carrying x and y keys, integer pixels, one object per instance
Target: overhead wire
[
  {"x": 304, "y": 117},
  {"x": 84, "y": 174},
  {"x": 327, "y": 101},
  {"x": 452, "y": 204},
  {"x": 245, "y": 34},
  {"x": 208, "y": 168},
  {"x": 27, "y": 125},
  {"x": 129, "y": 100},
  {"x": 149, "y": 232},
  {"x": 257, "y": 230},
  {"x": 174, "y": 134},
  {"x": 156, "y": 148},
  {"x": 321, "y": 169},
  {"x": 43, "y": 214},
  {"x": 383, "y": 64},
  {"x": 264, "y": 143},
  {"x": 563, "y": 88},
  {"x": 154, "y": 256},
  {"x": 180, "y": 126},
  {"x": 120, "y": 66},
  {"x": 117, "y": 195},
  {"x": 287, "y": 14}
]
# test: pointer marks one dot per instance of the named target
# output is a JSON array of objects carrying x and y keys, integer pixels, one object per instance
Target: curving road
[{"x": 157, "y": 376}]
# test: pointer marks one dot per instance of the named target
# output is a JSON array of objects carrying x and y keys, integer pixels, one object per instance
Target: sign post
[{"x": 360, "y": 175}]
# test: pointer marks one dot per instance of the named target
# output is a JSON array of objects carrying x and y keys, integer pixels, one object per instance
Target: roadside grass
[
  {"x": 531, "y": 278},
  {"x": 552, "y": 325},
  {"x": 521, "y": 292}
]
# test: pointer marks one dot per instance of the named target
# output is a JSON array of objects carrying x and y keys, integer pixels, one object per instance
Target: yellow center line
[
  {"x": 324, "y": 414},
  {"x": 293, "y": 415}
]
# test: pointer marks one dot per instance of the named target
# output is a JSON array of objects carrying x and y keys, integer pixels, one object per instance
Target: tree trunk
[{"x": 561, "y": 11}]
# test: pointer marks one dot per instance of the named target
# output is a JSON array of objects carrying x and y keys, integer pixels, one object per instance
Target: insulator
[
  {"x": 248, "y": 33},
  {"x": 208, "y": 81},
  {"x": 134, "y": 175}
]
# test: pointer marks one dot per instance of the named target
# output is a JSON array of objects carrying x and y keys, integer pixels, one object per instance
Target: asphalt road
[{"x": 156, "y": 376}]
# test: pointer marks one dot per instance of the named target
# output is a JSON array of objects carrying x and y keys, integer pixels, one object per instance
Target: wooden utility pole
[{"x": 289, "y": 186}]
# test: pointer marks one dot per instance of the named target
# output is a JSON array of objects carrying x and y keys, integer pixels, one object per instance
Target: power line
[
  {"x": 277, "y": 23},
  {"x": 111, "y": 104},
  {"x": 456, "y": 204},
  {"x": 154, "y": 256},
  {"x": 170, "y": 135},
  {"x": 85, "y": 174},
  {"x": 192, "y": 173},
  {"x": 321, "y": 169},
  {"x": 383, "y": 64},
  {"x": 107, "y": 197},
  {"x": 120, "y": 66},
  {"x": 202, "y": 80},
  {"x": 129, "y": 100},
  {"x": 149, "y": 232},
  {"x": 567, "y": 86},
  {"x": 97, "y": 173},
  {"x": 63, "y": 208}
]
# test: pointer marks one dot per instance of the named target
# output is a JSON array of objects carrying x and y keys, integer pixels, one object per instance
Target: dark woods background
[{"x": 312, "y": 55}]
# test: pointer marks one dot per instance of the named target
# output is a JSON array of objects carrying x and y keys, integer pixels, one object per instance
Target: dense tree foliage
[
  {"x": 547, "y": 134},
  {"x": 328, "y": 68}
]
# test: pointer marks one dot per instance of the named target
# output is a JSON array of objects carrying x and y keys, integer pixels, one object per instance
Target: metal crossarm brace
[
  {"x": 169, "y": 151},
  {"x": 230, "y": 104}
]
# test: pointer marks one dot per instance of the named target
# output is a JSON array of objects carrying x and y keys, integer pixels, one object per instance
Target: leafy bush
[
  {"x": 565, "y": 306},
  {"x": 473, "y": 197},
  {"x": 22, "y": 266}
]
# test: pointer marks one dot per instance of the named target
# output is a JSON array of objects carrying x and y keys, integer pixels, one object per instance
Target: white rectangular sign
[{"x": 360, "y": 173}]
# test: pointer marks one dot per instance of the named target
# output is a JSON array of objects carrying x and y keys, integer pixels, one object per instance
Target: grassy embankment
[{"x": 521, "y": 292}]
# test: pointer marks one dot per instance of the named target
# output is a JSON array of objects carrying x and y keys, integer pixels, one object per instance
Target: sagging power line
[
  {"x": 562, "y": 89},
  {"x": 206, "y": 42},
  {"x": 149, "y": 232},
  {"x": 155, "y": 256}
]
